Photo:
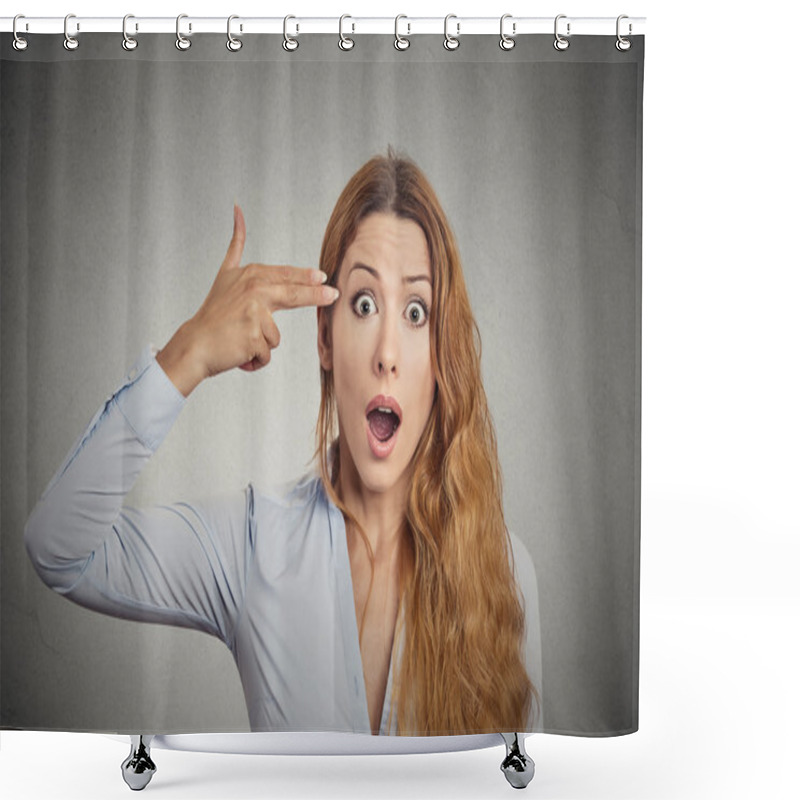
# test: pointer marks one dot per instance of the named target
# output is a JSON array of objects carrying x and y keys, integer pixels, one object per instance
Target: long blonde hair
[{"x": 462, "y": 668}]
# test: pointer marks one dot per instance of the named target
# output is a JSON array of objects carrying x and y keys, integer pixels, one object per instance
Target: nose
[{"x": 387, "y": 350}]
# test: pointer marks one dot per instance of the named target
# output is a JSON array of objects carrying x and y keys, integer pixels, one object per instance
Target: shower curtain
[{"x": 120, "y": 174}]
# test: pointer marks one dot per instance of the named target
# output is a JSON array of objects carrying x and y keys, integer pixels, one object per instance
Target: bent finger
[
  {"x": 270, "y": 332},
  {"x": 261, "y": 359}
]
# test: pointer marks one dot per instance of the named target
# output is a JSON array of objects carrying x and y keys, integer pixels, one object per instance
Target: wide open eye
[
  {"x": 364, "y": 304},
  {"x": 417, "y": 313}
]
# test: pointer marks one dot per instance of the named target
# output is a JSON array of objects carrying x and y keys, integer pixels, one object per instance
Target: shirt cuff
[{"x": 149, "y": 400}]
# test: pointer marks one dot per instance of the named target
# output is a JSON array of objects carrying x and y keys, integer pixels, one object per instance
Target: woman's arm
[{"x": 183, "y": 564}]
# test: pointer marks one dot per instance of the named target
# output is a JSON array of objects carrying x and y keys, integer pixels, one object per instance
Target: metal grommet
[
  {"x": 345, "y": 43},
  {"x": 128, "y": 42},
  {"x": 233, "y": 44},
  {"x": 561, "y": 43},
  {"x": 290, "y": 43},
  {"x": 507, "y": 42},
  {"x": 19, "y": 42},
  {"x": 451, "y": 42},
  {"x": 70, "y": 42},
  {"x": 182, "y": 43},
  {"x": 400, "y": 42},
  {"x": 622, "y": 43}
]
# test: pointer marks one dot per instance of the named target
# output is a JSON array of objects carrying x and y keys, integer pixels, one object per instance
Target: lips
[{"x": 384, "y": 417}]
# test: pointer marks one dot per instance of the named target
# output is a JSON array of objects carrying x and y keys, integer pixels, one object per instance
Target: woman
[{"x": 378, "y": 595}]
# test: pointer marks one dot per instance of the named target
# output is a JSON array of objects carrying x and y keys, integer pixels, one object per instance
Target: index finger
[
  {"x": 287, "y": 274},
  {"x": 296, "y": 295}
]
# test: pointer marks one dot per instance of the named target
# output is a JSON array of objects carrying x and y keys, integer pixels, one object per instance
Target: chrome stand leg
[
  {"x": 517, "y": 766},
  {"x": 138, "y": 767}
]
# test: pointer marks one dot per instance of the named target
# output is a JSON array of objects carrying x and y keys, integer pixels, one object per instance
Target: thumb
[{"x": 233, "y": 257}]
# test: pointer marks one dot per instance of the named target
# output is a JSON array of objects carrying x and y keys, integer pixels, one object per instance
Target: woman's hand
[{"x": 234, "y": 327}]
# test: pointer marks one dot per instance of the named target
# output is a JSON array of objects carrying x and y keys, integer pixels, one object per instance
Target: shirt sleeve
[
  {"x": 526, "y": 579},
  {"x": 182, "y": 564}
]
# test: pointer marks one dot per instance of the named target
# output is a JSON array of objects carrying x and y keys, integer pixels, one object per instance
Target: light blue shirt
[{"x": 268, "y": 574}]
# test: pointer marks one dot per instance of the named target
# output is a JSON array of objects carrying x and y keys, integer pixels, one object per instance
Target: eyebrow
[{"x": 372, "y": 271}]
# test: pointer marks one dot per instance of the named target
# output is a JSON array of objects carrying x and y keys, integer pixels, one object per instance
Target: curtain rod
[{"x": 349, "y": 25}]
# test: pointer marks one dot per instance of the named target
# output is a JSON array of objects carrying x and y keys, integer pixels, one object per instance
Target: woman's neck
[{"x": 382, "y": 515}]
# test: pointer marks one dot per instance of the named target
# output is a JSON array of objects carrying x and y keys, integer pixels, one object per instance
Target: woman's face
[{"x": 379, "y": 348}]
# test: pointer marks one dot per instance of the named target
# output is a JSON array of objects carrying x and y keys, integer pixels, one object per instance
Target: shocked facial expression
[{"x": 379, "y": 348}]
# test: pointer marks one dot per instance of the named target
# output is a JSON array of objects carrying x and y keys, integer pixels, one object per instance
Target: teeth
[{"x": 385, "y": 410}]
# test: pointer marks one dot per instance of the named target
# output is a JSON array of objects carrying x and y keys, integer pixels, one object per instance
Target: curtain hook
[
  {"x": 290, "y": 43},
  {"x": 233, "y": 44},
  {"x": 19, "y": 42},
  {"x": 128, "y": 42},
  {"x": 623, "y": 43},
  {"x": 400, "y": 42},
  {"x": 70, "y": 42},
  {"x": 561, "y": 43},
  {"x": 182, "y": 43},
  {"x": 507, "y": 42},
  {"x": 345, "y": 43},
  {"x": 451, "y": 42}
]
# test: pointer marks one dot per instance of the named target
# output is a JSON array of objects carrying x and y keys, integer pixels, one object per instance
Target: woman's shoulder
[
  {"x": 294, "y": 494},
  {"x": 285, "y": 518}
]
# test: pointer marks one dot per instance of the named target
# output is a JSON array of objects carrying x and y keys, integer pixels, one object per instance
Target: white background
[{"x": 720, "y": 606}]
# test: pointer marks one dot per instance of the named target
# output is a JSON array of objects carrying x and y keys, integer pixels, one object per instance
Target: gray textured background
[{"x": 119, "y": 175}]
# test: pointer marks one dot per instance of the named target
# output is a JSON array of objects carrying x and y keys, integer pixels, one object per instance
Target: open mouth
[
  {"x": 383, "y": 422},
  {"x": 384, "y": 418}
]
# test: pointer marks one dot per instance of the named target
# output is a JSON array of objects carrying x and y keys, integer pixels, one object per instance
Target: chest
[
  {"x": 376, "y": 606},
  {"x": 303, "y": 662}
]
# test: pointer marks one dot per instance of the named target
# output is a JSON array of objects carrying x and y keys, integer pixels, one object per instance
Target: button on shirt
[{"x": 267, "y": 573}]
